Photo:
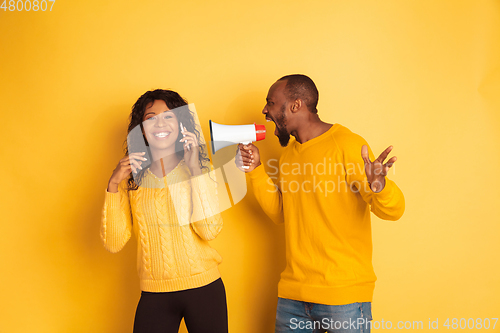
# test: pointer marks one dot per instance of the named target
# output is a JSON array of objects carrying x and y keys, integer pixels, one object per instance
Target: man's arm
[
  {"x": 384, "y": 196},
  {"x": 266, "y": 192}
]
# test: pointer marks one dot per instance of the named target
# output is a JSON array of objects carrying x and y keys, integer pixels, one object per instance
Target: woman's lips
[{"x": 161, "y": 135}]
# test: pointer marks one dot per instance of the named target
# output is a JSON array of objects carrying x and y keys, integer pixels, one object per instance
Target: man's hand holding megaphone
[{"x": 247, "y": 157}]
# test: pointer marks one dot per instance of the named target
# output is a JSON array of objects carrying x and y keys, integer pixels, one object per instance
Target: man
[{"x": 327, "y": 184}]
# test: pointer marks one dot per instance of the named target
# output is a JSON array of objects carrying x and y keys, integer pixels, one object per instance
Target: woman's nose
[{"x": 161, "y": 122}]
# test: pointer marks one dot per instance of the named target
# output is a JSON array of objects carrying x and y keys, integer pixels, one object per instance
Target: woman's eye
[{"x": 154, "y": 117}]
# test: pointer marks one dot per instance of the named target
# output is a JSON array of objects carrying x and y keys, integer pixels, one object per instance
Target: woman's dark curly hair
[{"x": 136, "y": 139}]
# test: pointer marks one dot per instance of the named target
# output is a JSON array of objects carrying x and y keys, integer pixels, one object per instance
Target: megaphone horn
[{"x": 225, "y": 135}]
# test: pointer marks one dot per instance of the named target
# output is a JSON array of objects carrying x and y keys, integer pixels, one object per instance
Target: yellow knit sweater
[
  {"x": 173, "y": 219},
  {"x": 323, "y": 199}
]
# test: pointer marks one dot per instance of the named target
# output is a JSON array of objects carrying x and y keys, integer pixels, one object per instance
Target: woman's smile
[{"x": 161, "y": 135}]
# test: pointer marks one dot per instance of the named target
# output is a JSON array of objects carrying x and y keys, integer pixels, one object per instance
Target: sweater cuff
[
  {"x": 112, "y": 199},
  {"x": 259, "y": 173},
  {"x": 387, "y": 192}
]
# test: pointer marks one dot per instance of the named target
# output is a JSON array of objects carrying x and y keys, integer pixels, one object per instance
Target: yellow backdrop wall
[{"x": 421, "y": 75}]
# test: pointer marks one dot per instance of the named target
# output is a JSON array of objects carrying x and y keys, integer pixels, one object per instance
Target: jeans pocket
[{"x": 366, "y": 310}]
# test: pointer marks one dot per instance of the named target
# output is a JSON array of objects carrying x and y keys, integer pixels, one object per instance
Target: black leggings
[{"x": 204, "y": 310}]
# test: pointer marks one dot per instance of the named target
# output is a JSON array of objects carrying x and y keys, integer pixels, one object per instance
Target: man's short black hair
[{"x": 300, "y": 86}]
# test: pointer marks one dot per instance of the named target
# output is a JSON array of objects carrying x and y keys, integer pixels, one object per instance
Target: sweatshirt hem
[
  {"x": 328, "y": 295},
  {"x": 195, "y": 281}
]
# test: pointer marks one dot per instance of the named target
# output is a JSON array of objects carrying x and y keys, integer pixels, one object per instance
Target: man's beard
[{"x": 283, "y": 135}]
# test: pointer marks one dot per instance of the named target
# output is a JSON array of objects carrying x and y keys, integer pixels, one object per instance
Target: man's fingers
[
  {"x": 245, "y": 151},
  {"x": 391, "y": 161},
  {"x": 389, "y": 164},
  {"x": 241, "y": 159},
  {"x": 251, "y": 148},
  {"x": 384, "y": 154},
  {"x": 364, "y": 154},
  {"x": 246, "y": 154}
]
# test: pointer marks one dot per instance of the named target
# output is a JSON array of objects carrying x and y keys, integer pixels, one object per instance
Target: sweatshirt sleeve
[
  {"x": 116, "y": 220},
  {"x": 388, "y": 204},
  {"x": 206, "y": 219},
  {"x": 267, "y": 193}
]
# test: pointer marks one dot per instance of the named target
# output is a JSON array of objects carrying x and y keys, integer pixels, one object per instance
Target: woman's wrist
[
  {"x": 112, "y": 187},
  {"x": 195, "y": 171}
]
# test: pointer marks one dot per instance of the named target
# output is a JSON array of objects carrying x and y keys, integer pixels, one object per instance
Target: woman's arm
[{"x": 116, "y": 221}]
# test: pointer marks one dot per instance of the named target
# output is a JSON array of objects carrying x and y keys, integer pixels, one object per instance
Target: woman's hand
[
  {"x": 191, "y": 151},
  {"x": 129, "y": 163}
]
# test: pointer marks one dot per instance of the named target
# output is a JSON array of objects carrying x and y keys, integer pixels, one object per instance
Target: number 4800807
[{"x": 27, "y": 5}]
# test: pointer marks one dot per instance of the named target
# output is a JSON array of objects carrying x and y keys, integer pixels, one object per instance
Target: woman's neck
[{"x": 164, "y": 165}]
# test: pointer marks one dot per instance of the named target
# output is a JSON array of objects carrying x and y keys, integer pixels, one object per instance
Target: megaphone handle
[{"x": 245, "y": 143}]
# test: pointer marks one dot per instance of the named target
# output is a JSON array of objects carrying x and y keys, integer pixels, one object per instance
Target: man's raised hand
[{"x": 376, "y": 170}]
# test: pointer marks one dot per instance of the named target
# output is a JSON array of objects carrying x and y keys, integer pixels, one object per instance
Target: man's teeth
[
  {"x": 267, "y": 119},
  {"x": 162, "y": 134}
]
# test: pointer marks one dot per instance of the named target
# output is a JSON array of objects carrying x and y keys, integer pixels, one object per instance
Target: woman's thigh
[
  {"x": 157, "y": 312},
  {"x": 205, "y": 308}
]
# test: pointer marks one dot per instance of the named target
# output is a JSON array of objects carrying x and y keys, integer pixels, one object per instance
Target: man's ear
[{"x": 295, "y": 106}]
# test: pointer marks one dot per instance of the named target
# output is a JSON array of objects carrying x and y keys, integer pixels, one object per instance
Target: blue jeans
[{"x": 304, "y": 317}]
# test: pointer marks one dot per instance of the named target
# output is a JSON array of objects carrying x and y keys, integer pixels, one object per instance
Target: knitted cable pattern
[
  {"x": 162, "y": 197},
  {"x": 187, "y": 233},
  {"x": 205, "y": 208},
  {"x": 143, "y": 233},
  {"x": 103, "y": 228},
  {"x": 116, "y": 221}
]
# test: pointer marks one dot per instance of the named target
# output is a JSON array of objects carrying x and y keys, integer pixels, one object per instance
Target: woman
[{"x": 171, "y": 205}]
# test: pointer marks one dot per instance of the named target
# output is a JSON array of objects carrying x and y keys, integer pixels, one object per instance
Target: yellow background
[{"x": 423, "y": 76}]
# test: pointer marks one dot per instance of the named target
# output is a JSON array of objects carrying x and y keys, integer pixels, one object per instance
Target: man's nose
[{"x": 264, "y": 110}]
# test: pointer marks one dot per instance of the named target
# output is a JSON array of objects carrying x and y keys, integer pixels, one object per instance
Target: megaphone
[{"x": 226, "y": 135}]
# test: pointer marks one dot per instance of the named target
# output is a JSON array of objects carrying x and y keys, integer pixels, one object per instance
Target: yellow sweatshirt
[
  {"x": 324, "y": 200},
  {"x": 173, "y": 219}
]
